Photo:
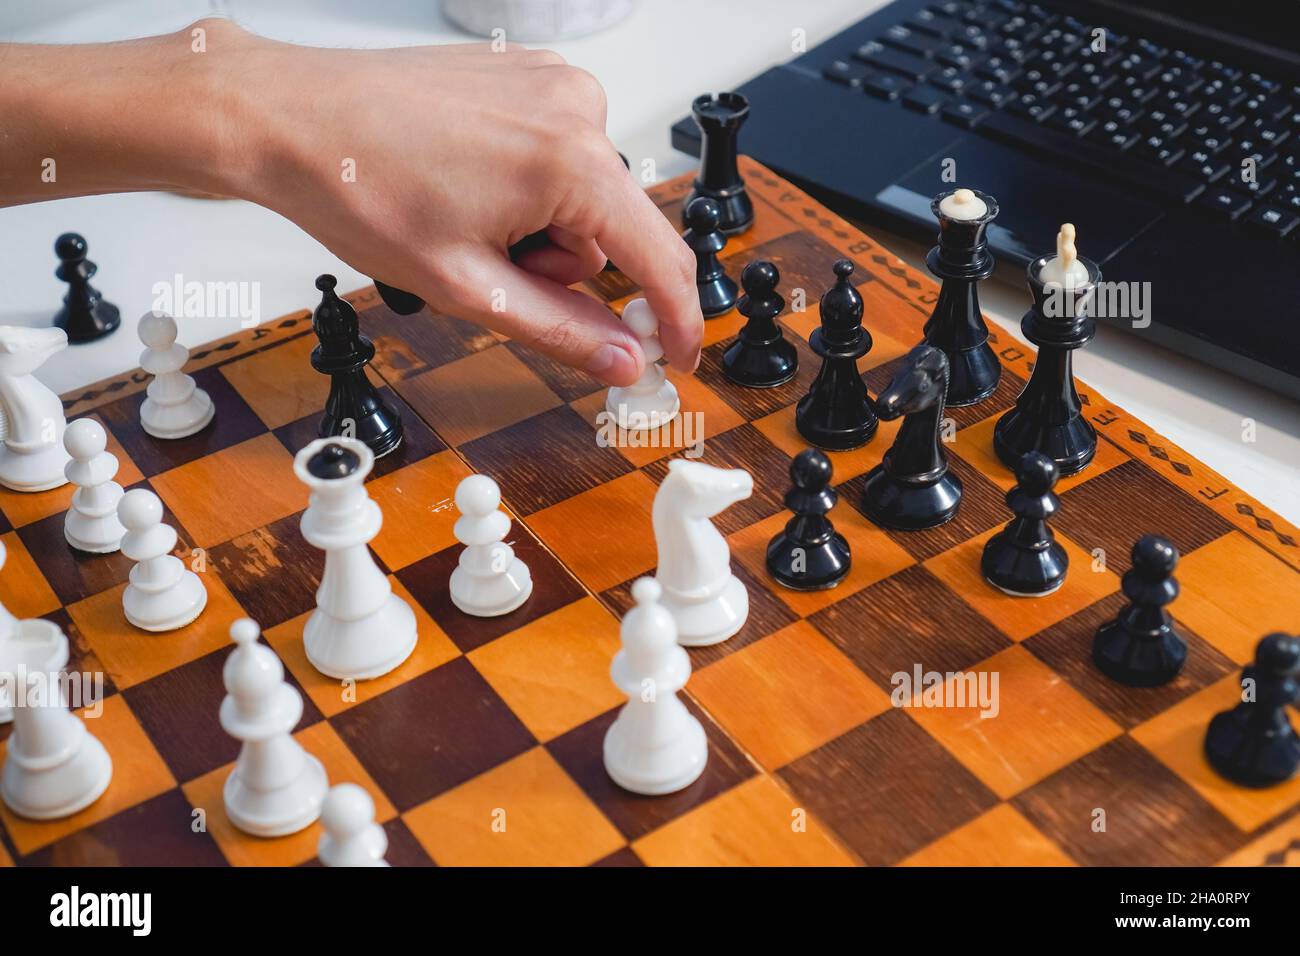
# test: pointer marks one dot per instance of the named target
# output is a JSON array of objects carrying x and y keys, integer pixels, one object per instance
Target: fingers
[
  {"x": 542, "y": 314},
  {"x": 628, "y": 227},
  {"x": 566, "y": 260}
]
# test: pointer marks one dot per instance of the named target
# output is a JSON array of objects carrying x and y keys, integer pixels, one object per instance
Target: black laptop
[{"x": 1130, "y": 120}]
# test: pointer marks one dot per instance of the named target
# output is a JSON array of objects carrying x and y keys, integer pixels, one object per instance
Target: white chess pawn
[
  {"x": 360, "y": 628},
  {"x": 351, "y": 837},
  {"x": 161, "y": 594},
  {"x": 651, "y": 401},
  {"x": 31, "y": 415},
  {"x": 54, "y": 766},
  {"x": 175, "y": 406},
  {"x": 91, "y": 523},
  {"x": 276, "y": 787},
  {"x": 488, "y": 580},
  {"x": 8, "y": 627},
  {"x": 656, "y": 745}
]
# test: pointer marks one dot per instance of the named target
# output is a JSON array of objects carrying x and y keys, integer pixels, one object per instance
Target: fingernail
[{"x": 696, "y": 365}]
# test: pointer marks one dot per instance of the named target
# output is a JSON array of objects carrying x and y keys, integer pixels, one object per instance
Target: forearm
[{"x": 116, "y": 117}]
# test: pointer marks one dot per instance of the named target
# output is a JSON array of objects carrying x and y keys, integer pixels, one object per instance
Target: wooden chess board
[{"x": 485, "y": 746}]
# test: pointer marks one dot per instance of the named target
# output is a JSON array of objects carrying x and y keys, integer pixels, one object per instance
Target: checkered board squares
[{"x": 484, "y": 747}]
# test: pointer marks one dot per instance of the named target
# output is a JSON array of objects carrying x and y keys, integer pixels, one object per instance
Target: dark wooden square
[
  {"x": 907, "y": 619},
  {"x": 545, "y": 459},
  {"x": 272, "y": 571},
  {"x": 580, "y": 752},
  {"x": 1113, "y": 509},
  {"x": 1067, "y": 649},
  {"x": 887, "y": 788},
  {"x": 567, "y": 382},
  {"x": 432, "y": 733},
  {"x": 553, "y": 588},
  {"x": 157, "y": 832},
  {"x": 178, "y": 710},
  {"x": 803, "y": 260},
  {"x": 755, "y": 403},
  {"x": 407, "y": 345},
  {"x": 233, "y": 423},
  {"x": 1152, "y": 817}
]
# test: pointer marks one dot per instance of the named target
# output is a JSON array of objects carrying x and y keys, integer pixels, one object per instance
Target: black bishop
[{"x": 354, "y": 406}]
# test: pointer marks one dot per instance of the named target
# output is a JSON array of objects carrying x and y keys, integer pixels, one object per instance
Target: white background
[{"x": 652, "y": 65}]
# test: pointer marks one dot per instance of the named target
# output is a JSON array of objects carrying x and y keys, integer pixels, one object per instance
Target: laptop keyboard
[{"x": 1168, "y": 122}]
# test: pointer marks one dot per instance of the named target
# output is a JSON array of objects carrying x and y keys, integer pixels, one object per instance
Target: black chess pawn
[
  {"x": 1048, "y": 414},
  {"x": 1254, "y": 744},
  {"x": 761, "y": 357},
  {"x": 1024, "y": 558},
  {"x": 1140, "y": 647},
  {"x": 85, "y": 315},
  {"x": 961, "y": 260},
  {"x": 717, "y": 289},
  {"x": 912, "y": 489},
  {"x": 809, "y": 555},
  {"x": 837, "y": 412},
  {"x": 719, "y": 119},
  {"x": 354, "y": 406}
]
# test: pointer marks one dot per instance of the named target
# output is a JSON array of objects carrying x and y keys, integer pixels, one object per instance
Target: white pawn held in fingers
[
  {"x": 351, "y": 837},
  {"x": 161, "y": 593},
  {"x": 707, "y": 601},
  {"x": 489, "y": 580},
  {"x": 276, "y": 787},
  {"x": 175, "y": 406},
  {"x": 31, "y": 415},
  {"x": 54, "y": 766},
  {"x": 651, "y": 401},
  {"x": 91, "y": 523},
  {"x": 656, "y": 745},
  {"x": 360, "y": 628}
]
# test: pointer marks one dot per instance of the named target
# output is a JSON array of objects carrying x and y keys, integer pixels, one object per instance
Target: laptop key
[
  {"x": 1071, "y": 122},
  {"x": 909, "y": 41},
  {"x": 1224, "y": 203},
  {"x": 1156, "y": 150},
  {"x": 1114, "y": 134},
  {"x": 886, "y": 86},
  {"x": 885, "y": 58},
  {"x": 991, "y": 94},
  {"x": 1207, "y": 168},
  {"x": 925, "y": 21},
  {"x": 959, "y": 56},
  {"x": 999, "y": 69},
  {"x": 1032, "y": 107},
  {"x": 846, "y": 72},
  {"x": 1257, "y": 189},
  {"x": 925, "y": 99},
  {"x": 1272, "y": 220},
  {"x": 951, "y": 79},
  {"x": 965, "y": 115}
]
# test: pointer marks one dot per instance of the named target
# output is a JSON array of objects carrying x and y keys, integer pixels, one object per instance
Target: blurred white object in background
[{"x": 536, "y": 21}]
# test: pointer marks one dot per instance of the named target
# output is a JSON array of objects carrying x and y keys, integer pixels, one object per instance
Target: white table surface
[{"x": 651, "y": 64}]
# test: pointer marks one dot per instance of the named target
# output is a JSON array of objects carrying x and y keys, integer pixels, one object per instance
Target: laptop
[{"x": 1167, "y": 131}]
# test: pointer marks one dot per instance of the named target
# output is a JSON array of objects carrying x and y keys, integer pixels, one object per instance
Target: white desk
[{"x": 651, "y": 65}]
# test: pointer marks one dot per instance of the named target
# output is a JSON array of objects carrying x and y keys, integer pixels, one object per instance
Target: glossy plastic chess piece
[
  {"x": 91, "y": 523},
  {"x": 956, "y": 326},
  {"x": 354, "y": 407},
  {"x": 761, "y": 357},
  {"x": 399, "y": 300},
  {"x": 54, "y": 767},
  {"x": 717, "y": 290},
  {"x": 351, "y": 837},
  {"x": 175, "y": 406},
  {"x": 1140, "y": 647},
  {"x": 719, "y": 119},
  {"x": 1024, "y": 559},
  {"x": 1254, "y": 744},
  {"x": 8, "y": 627},
  {"x": 31, "y": 415},
  {"x": 837, "y": 412},
  {"x": 651, "y": 401},
  {"x": 1048, "y": 414},
  {"x": 161, "y": 594},
  {"x": 655, "y": 745},
  {"x": 707, "y": 601},
  {"x": 489, "y": 580},
  {"x": 809, "y": 555},
  {"x": 360, "y": 628},
  {"x": 912, "y": 489},
  {"x": 85, "y": 315},
  {"x": 276, "y": 788}
]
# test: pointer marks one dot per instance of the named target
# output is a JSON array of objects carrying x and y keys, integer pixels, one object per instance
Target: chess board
[{"x": 485, "y": 746}]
